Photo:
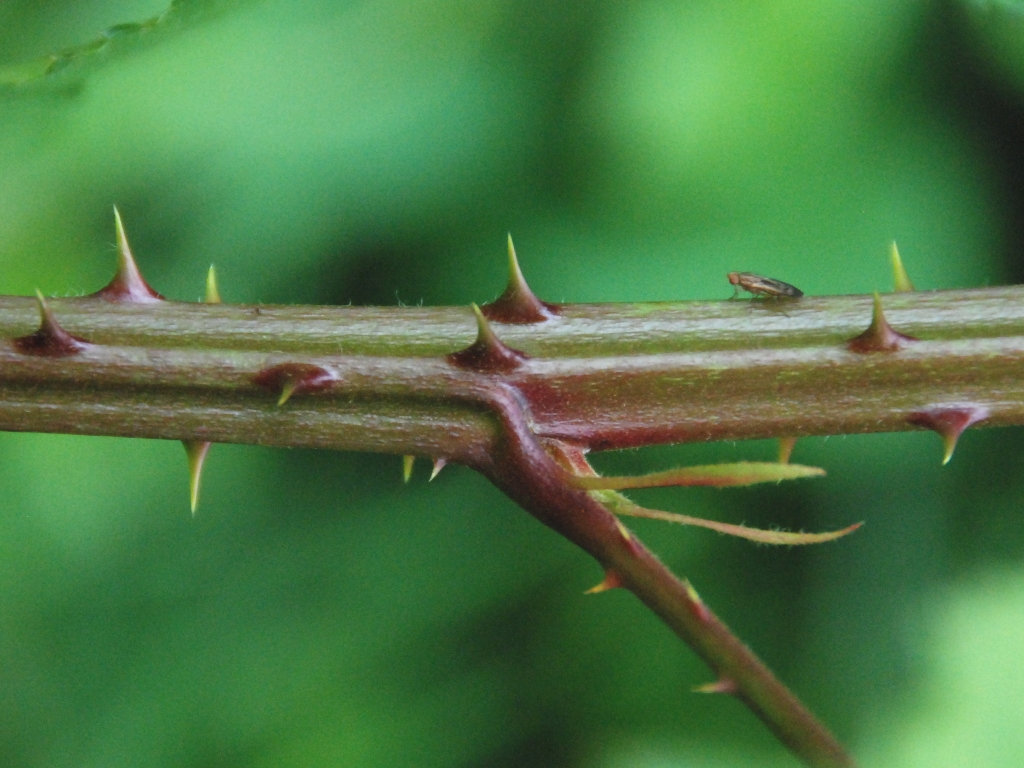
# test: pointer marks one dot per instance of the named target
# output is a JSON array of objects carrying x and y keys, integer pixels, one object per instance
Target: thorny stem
[
  {"x": 592, "y": 377},
  {"x": 599, "y": 376}
]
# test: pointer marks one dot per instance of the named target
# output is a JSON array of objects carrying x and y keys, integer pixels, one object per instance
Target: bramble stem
[{"x": 600, "y": 376}]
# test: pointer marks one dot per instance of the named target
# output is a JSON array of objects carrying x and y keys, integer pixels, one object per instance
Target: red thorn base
[
  {"x": 879, "y": 337},
  {"x": 294, "y": 379},
  {"x": 488, "y": 354},
  {"x": 50, "y": 340},
  {"x": 949, "y": 421}
]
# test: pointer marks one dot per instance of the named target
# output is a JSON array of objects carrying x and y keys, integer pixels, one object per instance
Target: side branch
[{"x": 525, "y": 471}]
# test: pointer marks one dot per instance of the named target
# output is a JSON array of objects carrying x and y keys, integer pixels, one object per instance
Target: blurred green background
[{"x": 317, "y": 611}]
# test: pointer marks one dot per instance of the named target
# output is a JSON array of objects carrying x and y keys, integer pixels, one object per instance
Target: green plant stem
[
  {"x": 596, "y": 377},
  {"x": 600, "y": 376}
]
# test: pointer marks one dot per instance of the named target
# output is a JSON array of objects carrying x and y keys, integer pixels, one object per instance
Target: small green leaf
[
  {"x": 718, "y": 475},
  {"x": 620, "y": 505}
]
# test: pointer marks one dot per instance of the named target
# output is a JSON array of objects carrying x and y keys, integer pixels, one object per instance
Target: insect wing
[
  {"x": 765, "y": 286},
  {"x": 775, "y": 287}
]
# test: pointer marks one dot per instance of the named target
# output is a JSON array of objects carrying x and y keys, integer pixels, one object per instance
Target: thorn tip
[
  {"x": 611, "y": 581},
  {"x": 287, "y": 391},
  {"x": 212, "y": 294},
  {"x": 900, "y": 278},
  {"x": 439, "y": 463},
  {"x": 407, "y": 462},
  {"x": 195, "y": 452}
]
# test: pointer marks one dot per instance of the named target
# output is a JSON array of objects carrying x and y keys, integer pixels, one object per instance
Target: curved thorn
[
  {"x": 949, "y": 442},
  {"x": 488, "y": 354},
  {"x": 900, "y": 278},
  {"x": 879, "y": 337},
  {"x": 439, "y": 463},
  {"x": 949, "y": 421},
  {"x": 195, "y": 452},
  {"x": 128, "y": 284},
  {"x": 611, "y": 581},
  {"x": 212, "y": 294},
  {"x": 294, "y": 378},
  {"x": 51, "y": 340},
  {"x": 287, "y": 391},
  {"x": 484, "y": 333},
  {"x": 407, "y": 463},
  {"x": 518, "y": 304}
]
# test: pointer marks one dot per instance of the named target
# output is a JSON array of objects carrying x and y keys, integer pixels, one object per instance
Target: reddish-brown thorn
[
  {"x": 879, "y": 337},
  {"x": 611, "y": 581},
  {"x": 488, "y": 354},
  {"x": 518, "y": 304},
  {"x": 949, "y": 421},
  {"x": 439, "y": 463},
  {"x": 50, "y": 340},
  {"x": 127, "y": 285},
  {"x": 294, "y": 379},
  {"x": 722, "y": 685}
]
